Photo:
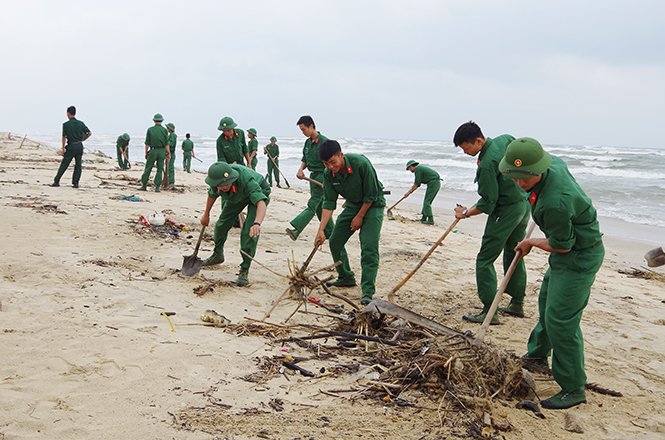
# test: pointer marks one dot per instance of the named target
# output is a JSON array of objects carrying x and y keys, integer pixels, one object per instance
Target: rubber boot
[
  {"x": 343, "y": 282},
  {"x": 564, "y": 399},
  {"x": 215, "y": 258},
  {"x": 513, "y": 309},
  {"x": 480, "y": 318},
  {"x": 293, "y": 233},
  {"x": 243, "y": 277}
]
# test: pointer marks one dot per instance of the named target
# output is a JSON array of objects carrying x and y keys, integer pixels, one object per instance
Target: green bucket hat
[
  {"x": 411, "y": 162},
  {"x": 253, "y": 131},
  {"x": 125, "y": 136},
  {"x": 525, "y": 158},
  {"x": 158, "y": 117},
  {"x": 221, "y": 174},
  {"x": 171, "y": 125},
  {"x": 226, "y": 123},
  {"x": 273, "y": 139}
]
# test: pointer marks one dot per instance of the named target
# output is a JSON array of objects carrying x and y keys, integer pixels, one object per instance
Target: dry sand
[{"x": 87, "y": 355}]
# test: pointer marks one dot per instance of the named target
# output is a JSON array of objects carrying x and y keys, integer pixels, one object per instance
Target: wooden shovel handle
[
  {"x": 497, "y": 298},
  {"x": 313, "y": 181},
  {"x": 198, "y": 243}
]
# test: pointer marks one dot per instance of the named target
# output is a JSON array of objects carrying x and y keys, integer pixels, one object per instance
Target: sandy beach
[{"x": 87, "y": 353}]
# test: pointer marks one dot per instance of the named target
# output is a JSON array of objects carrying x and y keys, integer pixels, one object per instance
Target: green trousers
[
  {"x": 72, "y": 151},
  {"x": 255, "y": 162},
  {"x": 563, "y": 296},
  {"x": 187, "y": 161},
  {"x": 505, "y": 227},
  {"x": 272, "y": 169},
  {"x": 122, "y": 163},
  {"x": 172, "y": 167},
  {"x": 229, "y": 215},
  {"x": 314, "y": 207},
  {"x": 370, "y": 232},
  {"x": 156, "y": 157},
  {"x": 433, "y": 187}
]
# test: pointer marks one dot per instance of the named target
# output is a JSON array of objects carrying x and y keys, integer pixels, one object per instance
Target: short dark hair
[
  {"x": 71, "y": 110},
  {"x": 187, "y": 135},
  {"x": 328, "y": 149},
  {"x": 306, "y": 121},
  {"x": 467, "y": 132}
]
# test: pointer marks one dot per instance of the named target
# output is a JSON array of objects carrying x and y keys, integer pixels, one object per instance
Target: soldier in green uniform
[
  {"x": 172, "y": 144},
  {"x": 353, "y": 177},
  {"x": 252, "y": 147},
  {"x": 231, "y": 146},
  {"x": 122, "y": 150},
  {"x": 568, "y": 219},
  {"x": 156, "y": 152},
  {"x": 239, "y": 186},
  {"x": 74, "y": 132},
  {"x": 430, "y": 178},
  {"x": 272, "y": 151},
  {"x": 187, "y": 153},
  {"x": 507, "y": 216},
  {"x": 311, "y": 161}
]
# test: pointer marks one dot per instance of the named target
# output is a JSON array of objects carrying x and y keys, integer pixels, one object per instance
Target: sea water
[{"x": 627, "y": 185}]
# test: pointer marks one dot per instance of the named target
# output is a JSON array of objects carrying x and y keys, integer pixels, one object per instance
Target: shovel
[
  {"x": 655, "y": 257},
  {"x": 280, "y": 171},
  {"x": 191, "y": 263}
]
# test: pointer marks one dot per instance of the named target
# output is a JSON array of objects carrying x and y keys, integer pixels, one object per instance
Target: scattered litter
[
  {"x": 131, "y": 198},
  {"x": 215, "y": 318}
]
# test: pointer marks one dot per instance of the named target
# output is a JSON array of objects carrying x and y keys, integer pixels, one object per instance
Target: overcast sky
[{"x": 565, "y": 72}]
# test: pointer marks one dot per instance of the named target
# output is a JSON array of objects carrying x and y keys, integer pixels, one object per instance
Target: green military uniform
[
  {"x": 568, "y": 219},
  {"x": 565, "y": 214},
  {"x": 310, "y": 155},
  {"x": 187, "y": 148},
  {"x": 507, "y": 211},
  {"x": 247, "y": 190},
  {"x": 172, "y": 142},
  {"x": 359, "y": 184},
  {"x": 75, "y": 131},
  {"x": 273, "y": 151},
  {"x": 432, "y": 179},
  {"x": 232, "y": 149},
  {"x": 253, "y": 146},
  {"x": 156, "y": 138},
  {"x": 122, "y": 145}
]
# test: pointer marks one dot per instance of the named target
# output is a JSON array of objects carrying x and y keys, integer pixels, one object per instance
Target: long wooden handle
[
  {"x": 309, "y": 259},
  {"x": 313, "y": 181},
  {"x": 280, "y": 171},
  {"x": 198, "y": 243},
  {"x": 391, "y": 208},
  {"x": 391, "y": 295},
  {"x": 497, "y": 298}
]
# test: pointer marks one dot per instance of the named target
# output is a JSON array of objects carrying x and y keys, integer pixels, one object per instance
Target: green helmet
[
  {"x": 411, "y": 162},
  {"x": 158, "y": 117},
  {"x": 221, "y": 174},
  {"x": 252, "y": 130},
  {"x": 226, "y": 123},
  {"x": 525, "y": 158},
  {"x": 125, "y": 136},
  {"x": 171, "y": 126},
  {"x": 273, "y": 139}
]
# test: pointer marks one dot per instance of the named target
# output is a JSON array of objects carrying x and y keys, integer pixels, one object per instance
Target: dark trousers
[{"x": 72, "y": 151}]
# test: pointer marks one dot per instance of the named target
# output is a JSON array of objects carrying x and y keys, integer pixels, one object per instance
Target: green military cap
[
  {"x": 221, "y": 174},
  {"x": 273, "y": 139},
  {"x": 226, "y": 123},
  {"x": 158, "y": 117},
  {"x": 125, "y": 136},
  {"x": 411, "y": 162},
  {"x": 252, "y": 130},
  {"x": 525, "y": 158},
  {"x": 171, "y": 125}
]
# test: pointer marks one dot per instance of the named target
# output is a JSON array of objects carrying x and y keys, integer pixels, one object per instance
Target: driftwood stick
[
  {"x": 262, "y": 265},
  {"x": 336, "y": 295}
]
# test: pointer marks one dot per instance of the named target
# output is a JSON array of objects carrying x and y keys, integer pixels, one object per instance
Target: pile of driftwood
[{"x": 393, "y": 359}]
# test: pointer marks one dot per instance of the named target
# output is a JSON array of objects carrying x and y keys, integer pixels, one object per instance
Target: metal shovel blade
[
  {"x": 191, "y": 265},
  {"x": 655, "y": 257}
]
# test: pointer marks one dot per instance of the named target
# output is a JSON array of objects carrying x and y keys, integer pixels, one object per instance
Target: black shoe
[
  {"x": 76, "y": 185},
  {"x": 55, "y": 184}
]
